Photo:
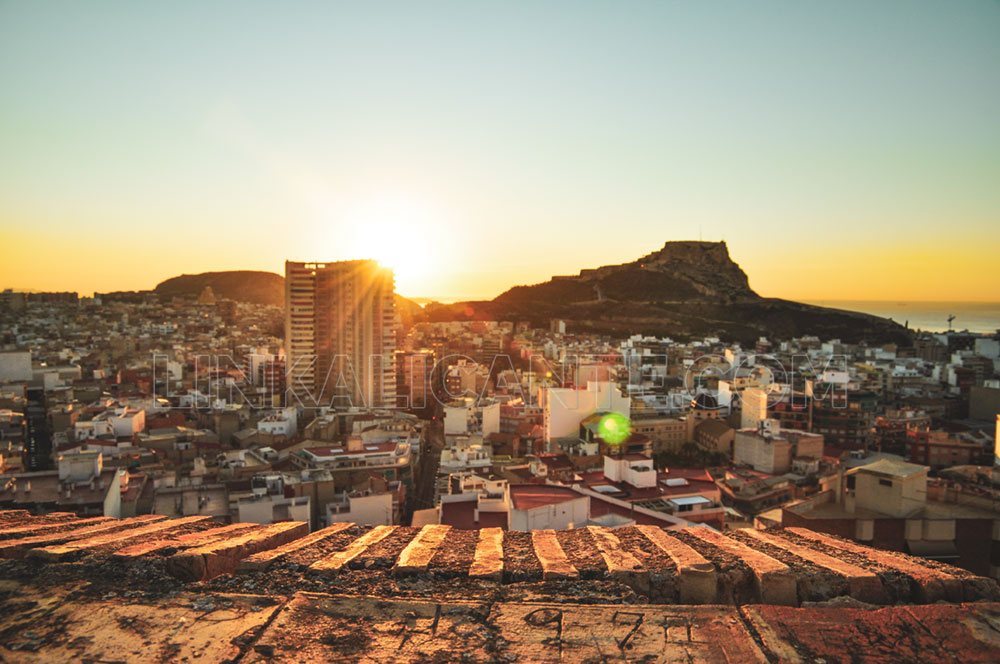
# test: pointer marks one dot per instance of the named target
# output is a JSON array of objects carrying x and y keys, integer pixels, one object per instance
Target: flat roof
[
  {"x": 530, "y": 496},
  {"x": 689, "y": 500},
  {"x": 900, "y": 469}
]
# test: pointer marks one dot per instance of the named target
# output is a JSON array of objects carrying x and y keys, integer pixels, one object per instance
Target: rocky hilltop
[
  {"x": 685, "y": 289},
  {"x": 679, "y": 272}
]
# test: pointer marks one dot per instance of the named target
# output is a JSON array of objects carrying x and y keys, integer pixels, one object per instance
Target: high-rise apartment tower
[{"x": 340, "y": 334}]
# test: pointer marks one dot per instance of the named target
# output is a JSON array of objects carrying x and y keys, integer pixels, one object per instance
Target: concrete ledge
[
  {"x": 568, "y": 632},
  {"x": 312, "y": 628},
  {"x": 488, "y": 561},
  {"x": 188, "y": 627},
  {"x": 52, "y": 624},
  {"x": 775, "y": 581},
  {"x": 931, "y": 633},
  {"x": 60, "y": 551},
  {"x": 262, "y": 559},
  {"x": 865, "y": 585},
  {"x": 698, "y": 583},
  {"x": 416, "y": 556},
  {"x": 934, "y": 585},
  {"x": 16, "y": 548},
  {"x": 555, "y": 564},
  {"x": 211, "y": 560},
  {"x": 336, "y": 561}
]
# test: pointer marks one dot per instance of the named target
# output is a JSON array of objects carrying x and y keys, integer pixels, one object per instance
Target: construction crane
[{"x": 950, "y": 318}]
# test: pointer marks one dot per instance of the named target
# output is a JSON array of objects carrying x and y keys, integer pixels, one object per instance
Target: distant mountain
[
  {"x": 255, "y": 287},
  {"x": 251, "y": 286},
  {"x": 685, "y": 289}
]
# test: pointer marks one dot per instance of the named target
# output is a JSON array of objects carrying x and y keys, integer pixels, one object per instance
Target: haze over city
[{"x": 844, "y": 150}]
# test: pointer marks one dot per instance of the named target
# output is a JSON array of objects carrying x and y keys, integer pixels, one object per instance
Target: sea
[{"x": 981, "y": 317}]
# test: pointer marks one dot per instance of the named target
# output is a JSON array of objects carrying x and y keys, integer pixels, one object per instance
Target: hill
[
  {"x": 251, "y": 286},
  {"x": 255, "y": 287},
  {"x": 685, "y": 289}
]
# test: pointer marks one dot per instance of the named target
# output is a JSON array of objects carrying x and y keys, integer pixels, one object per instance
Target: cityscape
[{"x": 425, "y": 333}]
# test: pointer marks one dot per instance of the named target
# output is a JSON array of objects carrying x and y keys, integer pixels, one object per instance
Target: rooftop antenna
[{"x": 950, "y": 318}]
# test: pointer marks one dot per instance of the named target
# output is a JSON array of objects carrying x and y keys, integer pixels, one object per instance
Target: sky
[{"x": 843, "y": 150}]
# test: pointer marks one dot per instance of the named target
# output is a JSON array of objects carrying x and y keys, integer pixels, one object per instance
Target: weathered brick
[
  {"x": 488, "y": 560},
  {"x": 622, "y": 565},
  {"x": 555, "y": 564},
  {"x": 60, "y": 551},
  {"x": 262, "y": 559},
  {"x": 934, "y": 584},
  {"x": 865, "y": 585},
  {"x": 336, "y": 561},
  {"x": 17, "y": 547},
  {"x": 775, "y": 581},
  {"x": 42, "y": 527},
  {"x": 698, "y": 582},
  {"x": 187, "y": 541},
  {"x": 416, "y": 556},
  {"x": 211, "y": 560}
]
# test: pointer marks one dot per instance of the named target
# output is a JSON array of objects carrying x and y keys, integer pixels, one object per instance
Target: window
[{"x": 885, "y": 482}]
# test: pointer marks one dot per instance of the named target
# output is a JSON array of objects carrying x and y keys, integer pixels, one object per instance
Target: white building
[
  {"x": 491, "y": 419},
  {"x": 545, "y": 506},
  {"x": 268, "y": 503},
  {"x": 771, "y": 449},
  {"x": 458, "y": 420},
  {"x": 464, "y": 454},
  {"x": 363, "y": 508},
  {"x": 281, "y": 423},
  {"x": 634, "y": 469},
  {"x": 565, "y": 407},
  {"x": 15, "y": 366},
  {"x": 754, "y": 410}
]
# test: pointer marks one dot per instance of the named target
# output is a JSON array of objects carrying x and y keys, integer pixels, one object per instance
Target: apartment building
[
  {"x": 771, "y": 449},
  {"x": 340, "y": 334}
]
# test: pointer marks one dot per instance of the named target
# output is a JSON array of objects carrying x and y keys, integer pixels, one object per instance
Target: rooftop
[
  {"x": 899, "y": 469},
  {"x": 530, "y": 496},
  {"x": 157, "y": 589}
]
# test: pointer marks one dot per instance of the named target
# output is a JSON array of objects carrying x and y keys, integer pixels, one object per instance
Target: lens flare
[{"x": 614, "y": 428}]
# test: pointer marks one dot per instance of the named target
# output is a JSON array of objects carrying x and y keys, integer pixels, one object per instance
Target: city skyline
[{"x": 473, "y": 149}]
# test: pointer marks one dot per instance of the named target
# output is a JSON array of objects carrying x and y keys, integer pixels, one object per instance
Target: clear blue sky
[{"x": 842, "y": 149}]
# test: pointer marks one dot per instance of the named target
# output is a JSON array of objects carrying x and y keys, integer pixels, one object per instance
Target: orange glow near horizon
[{"x": 409, "y": 239}]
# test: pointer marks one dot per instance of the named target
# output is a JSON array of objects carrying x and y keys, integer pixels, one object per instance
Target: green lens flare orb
[{"x": 614, "y": 428}]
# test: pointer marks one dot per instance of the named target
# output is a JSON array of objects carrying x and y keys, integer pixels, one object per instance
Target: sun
[{"x": 396, "y": 231}]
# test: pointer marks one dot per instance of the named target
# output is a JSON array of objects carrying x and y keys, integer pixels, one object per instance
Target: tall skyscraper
[{"x": 340, "y": 334}]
